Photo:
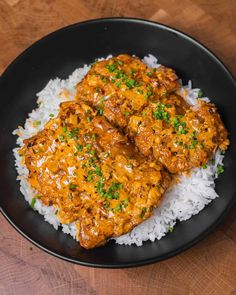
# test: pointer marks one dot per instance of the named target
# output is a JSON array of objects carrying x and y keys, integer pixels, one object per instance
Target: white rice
[{"x": 183, "y": 200}]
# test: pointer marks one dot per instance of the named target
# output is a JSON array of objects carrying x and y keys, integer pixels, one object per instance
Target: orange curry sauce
[
  {"x": 89, "y": 171},
  {"x": 143, "y": 102},
  {"x": 103, "y": 161}
]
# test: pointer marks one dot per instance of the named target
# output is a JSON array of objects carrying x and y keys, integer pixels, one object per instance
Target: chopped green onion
[
  {"x": 119, "y": 74},
  {"x": 143, "y": 211},
  {"x": 89, "y": 178},
  {"x": 193, "y": 144},
  {"x": 94, "y": 136},
  {"x": 69, "y": 135},
  {"x": 73, "y": 133},
  {"x": 179, "y": 126},
  {"x": 125, "y": 203},
  {"x": 220, "y": 169},
  {"x": 38, "y": 196},
  {"x": 92, "y": 152},
  {"x": 202, "y": 145},
  {"x": 73, "y": 186},
  {"x": 61, "y": 137},
  {"x": 200, "y": 93},
  {"x": 193, "y": 134},
  {"x": 32, "y": 204},
  {"x": 106, "y": 205},
  {"x": 100, "y": 111},
  {"x": 111, "y": 68},
  {"x": 126, "y": 114},
  {"x": 118, "y": 208},
  {"x": 118, "y": 84},
  {"x": 204, "y": 166},
  {"x": 119, "y": 185},
  {"x": 88, "y": 145},
  {"x": 160, "y": 113},
  {"x": 130, "y": 83},
  {"x": 79, "y": 147},
  {"x": 98, "y": 171}
]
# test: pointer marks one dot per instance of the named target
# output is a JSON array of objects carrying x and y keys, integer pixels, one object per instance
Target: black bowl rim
[{"x": 164, "y": 27}]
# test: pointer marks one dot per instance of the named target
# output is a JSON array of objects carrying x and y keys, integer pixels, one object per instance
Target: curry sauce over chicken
[
  {"x": 106, "y": 160},
  {"x": 89, "y": 171},
  {"x": 143, "y": 102}
]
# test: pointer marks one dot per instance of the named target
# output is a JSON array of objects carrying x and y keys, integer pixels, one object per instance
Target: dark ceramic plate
[{"x": 57, "y": 55}]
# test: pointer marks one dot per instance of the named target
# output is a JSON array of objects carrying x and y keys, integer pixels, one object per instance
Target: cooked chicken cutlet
[
  {"x": 144, "y": 104},
  {"x": 123, "y": 85},
  {"x": 84, "y": 167},
  {"x": 179, "y": 136}
]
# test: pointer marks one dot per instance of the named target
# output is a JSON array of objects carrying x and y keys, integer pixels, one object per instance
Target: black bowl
[{"x": 57, "y": 55}]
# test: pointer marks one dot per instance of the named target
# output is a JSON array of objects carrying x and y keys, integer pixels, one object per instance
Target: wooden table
[{"x": 207, "y": 268}]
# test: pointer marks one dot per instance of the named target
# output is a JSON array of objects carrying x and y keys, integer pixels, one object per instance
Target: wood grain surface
[{"x": 207, "y": 268}]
